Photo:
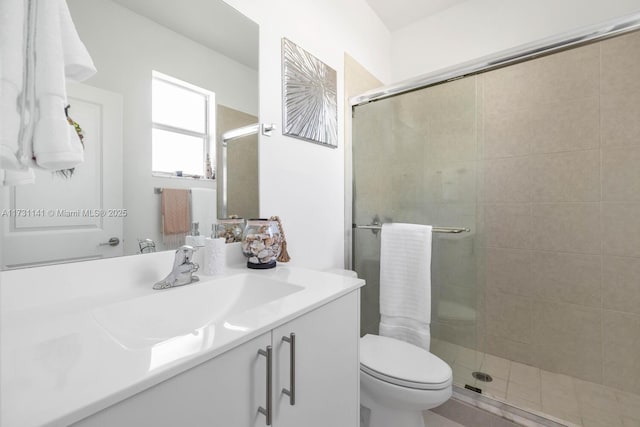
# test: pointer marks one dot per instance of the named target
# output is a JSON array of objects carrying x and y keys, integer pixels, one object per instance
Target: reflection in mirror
[
  {"x": 241, "y": 165},
  {"x": 113, "y": 194}
]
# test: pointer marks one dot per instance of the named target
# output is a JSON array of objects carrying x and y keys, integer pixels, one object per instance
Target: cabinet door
[
  {"x": 224, "y": 391},
  {"x": 327, "y": 381}
]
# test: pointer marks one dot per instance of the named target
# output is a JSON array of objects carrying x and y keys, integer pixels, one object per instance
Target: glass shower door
[
  {"x": 540, "y": 159},
  {"x": 415, "y": 161}
]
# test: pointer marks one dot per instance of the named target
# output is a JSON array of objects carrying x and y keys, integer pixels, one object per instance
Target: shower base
[{"x": 528, "y": 393}]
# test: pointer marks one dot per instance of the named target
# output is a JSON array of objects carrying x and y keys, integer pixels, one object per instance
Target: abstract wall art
[{"x": 309, "y": 97}]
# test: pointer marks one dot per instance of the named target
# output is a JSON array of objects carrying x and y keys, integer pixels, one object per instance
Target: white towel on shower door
[{"x": 405, "y": 283}]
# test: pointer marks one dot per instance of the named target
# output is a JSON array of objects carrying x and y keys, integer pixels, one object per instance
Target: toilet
[{"x": 398, "y": 381}]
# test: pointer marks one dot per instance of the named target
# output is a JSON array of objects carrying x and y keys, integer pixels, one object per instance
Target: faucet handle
[{"x": 184, "y": 254}]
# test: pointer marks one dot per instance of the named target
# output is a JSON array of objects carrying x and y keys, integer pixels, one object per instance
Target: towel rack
[{"x": 377, "y": 227}]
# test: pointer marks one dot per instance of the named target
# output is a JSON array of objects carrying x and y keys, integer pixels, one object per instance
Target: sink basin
[{"x": 146, "y": 321}]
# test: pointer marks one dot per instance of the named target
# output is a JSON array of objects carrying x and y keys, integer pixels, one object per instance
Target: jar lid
[
  {"x": 260, "y": 221},
  {"x": 230, "y": 221}
]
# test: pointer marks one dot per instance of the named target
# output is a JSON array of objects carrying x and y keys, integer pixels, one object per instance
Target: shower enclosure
[{"x": 540, "y": 160}]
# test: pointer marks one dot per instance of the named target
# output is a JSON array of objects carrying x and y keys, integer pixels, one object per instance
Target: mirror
[{"x": 113, "y": 195}]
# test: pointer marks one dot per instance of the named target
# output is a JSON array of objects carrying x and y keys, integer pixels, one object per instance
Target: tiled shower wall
[
  {"x": 542, "y": 160},
  {"x": 560, "y": 148}
]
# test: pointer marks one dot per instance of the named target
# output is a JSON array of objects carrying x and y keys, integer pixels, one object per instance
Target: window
[{"x": 183, "y": 124}]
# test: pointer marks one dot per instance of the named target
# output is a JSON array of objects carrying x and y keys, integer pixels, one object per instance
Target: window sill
[{"x": 187, "y": 177}]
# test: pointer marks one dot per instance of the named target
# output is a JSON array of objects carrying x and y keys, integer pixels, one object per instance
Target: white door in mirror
[{"x": 70, "y": 218}]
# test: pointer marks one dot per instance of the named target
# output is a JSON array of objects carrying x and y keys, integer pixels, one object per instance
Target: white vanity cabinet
[
  {"x": 327, "y": 367},
  {"x": 218, "y": 392},
  {"x": 227, "y": 390}
]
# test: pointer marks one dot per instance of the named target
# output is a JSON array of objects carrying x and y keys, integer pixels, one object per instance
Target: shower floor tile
[
  {"x": 498, "y": 366},
  {"x": 520, "y": 392},
  {"x": 472, "y": 359},
  {"x": 562, "y": 397},
  {"x": 496, "y": 388}
]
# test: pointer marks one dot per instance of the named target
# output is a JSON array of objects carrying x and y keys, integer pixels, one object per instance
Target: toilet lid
[{"x": 403, "y": 364}]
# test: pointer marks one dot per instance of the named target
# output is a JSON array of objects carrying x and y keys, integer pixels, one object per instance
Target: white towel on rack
[
  {"x": 41, "y": 52},
  {"x": 405, "y": 283},
  {"x": 12, "y": 46},
  {"x": 61, "y": 57},
  {"x": 203, "y": 209}
]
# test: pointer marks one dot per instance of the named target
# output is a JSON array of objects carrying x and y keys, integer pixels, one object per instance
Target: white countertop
[{"x": 58, "y": 364}]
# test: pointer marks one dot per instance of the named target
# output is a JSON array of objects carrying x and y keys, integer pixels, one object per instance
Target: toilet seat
[{"x": 403, "y": 364}]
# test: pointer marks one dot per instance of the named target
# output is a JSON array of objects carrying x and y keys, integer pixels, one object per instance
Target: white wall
[
  {"x": 126, "y": 47},
  {"x": 477, "y": 28},
  {"x": 301, "y": 182}
]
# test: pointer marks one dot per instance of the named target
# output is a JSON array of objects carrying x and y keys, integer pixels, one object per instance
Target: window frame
[{"x": 208, "y": 136}]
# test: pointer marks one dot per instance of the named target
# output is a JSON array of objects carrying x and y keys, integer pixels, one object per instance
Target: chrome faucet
[
  {"x": 183, "y": 269},
  {"x": 146, "y": 246}
]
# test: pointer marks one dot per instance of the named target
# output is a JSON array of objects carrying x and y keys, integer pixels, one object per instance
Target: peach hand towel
[{"x": 175, "y": 215}]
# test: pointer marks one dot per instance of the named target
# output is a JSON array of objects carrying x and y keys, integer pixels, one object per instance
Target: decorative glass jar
[
  {"x": 230, "y": 229},
  {"x": 261, "y": 243}
]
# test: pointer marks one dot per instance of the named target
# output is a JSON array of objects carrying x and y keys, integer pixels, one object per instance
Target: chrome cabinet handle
[
  {"x": 268, "y": 411},
  {"x": 291, "y": 339}
]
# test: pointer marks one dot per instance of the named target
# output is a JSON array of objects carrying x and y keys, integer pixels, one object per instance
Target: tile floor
[
  {"x": 578, "y": 402},
  {"x": 432, "y": 419}
]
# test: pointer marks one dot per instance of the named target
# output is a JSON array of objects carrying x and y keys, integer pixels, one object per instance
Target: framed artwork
[{"x": 309, "y": 97}]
